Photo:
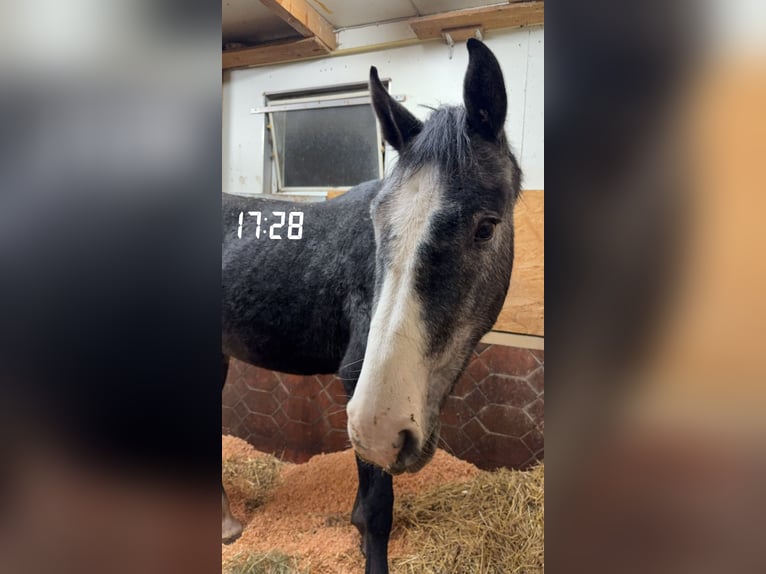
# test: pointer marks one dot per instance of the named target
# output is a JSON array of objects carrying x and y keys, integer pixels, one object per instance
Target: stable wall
[
  {"x": 423, "y": 73},
  {"x": 493, "y": 418}
]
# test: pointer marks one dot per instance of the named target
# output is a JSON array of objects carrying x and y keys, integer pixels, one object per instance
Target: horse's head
[{"x": 444, "y": 233}]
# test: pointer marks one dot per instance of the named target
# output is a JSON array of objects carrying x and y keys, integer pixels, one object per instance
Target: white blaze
[{"x": 391, "y": 393}]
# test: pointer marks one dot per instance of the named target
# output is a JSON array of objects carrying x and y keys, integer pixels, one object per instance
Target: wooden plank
[
  {"x": 514, "y": 15},
  {"x": 524, "y": 308},
  {"x": 277, "y": 52},
  {"x": 333, "y": 193},
  {"x": 462, "y": 34},
  {"x": 304, "y": 19},
  {"x": 514, "y": 340}
]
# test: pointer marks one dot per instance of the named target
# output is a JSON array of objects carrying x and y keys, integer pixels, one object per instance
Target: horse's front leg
[
  {"x": 231, "y": 528},
  {"x": 373, "y": 515},
  {"x": 374, "y": 505}
]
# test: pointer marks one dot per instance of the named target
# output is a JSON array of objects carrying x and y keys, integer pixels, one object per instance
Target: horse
[{"x": 390, "y": 285}]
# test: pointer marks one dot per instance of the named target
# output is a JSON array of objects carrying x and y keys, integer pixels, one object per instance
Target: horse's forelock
[{"x": 444, "y": 141}]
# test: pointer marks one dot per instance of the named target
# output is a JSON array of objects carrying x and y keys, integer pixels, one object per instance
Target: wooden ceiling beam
[
  {"x": 304, "y": 19},
  {"x": 274, "y": 53},
  {"x": 319, "y": 37},
  {"x": 515, "y": 15}
]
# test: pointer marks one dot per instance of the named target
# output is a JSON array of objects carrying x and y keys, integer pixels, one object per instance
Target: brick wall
[{"x": 493, "y": 418}]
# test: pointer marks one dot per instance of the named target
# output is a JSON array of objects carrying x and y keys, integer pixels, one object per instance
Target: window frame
[{"x": 338, "y": 95}]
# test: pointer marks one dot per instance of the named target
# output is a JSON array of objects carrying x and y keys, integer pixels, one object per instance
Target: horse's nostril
[{"x": 408, "y": 444}]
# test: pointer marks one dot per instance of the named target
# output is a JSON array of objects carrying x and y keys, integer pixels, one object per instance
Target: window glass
[{"x": 326, "y": 147}]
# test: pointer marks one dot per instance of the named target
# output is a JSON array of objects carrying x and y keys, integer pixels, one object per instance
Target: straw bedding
[{"x": 448, "y": 518}]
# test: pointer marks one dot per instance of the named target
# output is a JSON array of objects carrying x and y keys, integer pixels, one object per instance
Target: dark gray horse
[{"x": 391, "y": 285}]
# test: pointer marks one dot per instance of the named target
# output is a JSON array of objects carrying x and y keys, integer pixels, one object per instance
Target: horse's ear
[
  {"x": 484, "y": 91},
  {"x": 398, "y": 124}
]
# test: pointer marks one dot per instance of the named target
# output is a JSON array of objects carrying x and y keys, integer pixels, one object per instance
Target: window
[{"x": 321, "y": 139}]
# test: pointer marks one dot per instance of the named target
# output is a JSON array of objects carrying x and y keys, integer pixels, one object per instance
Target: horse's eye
[{"x": 485, "y": 230}]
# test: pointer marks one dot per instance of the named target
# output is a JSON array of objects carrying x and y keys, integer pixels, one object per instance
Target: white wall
[{"x": 423, "y": 73}]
